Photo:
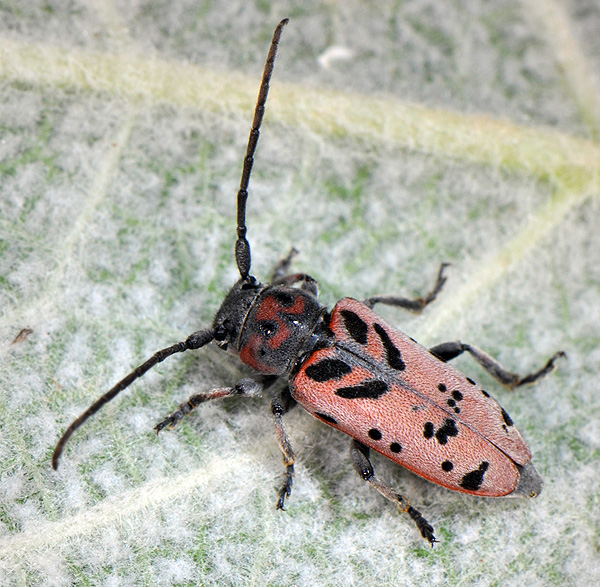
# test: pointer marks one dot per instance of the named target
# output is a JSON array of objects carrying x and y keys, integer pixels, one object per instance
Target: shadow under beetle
[{"x": 353, "y": 371}]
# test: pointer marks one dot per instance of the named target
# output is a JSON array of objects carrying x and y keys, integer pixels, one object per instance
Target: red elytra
[
  {"x": 353, "y": 371},
  {"x": 425, "y": 414}
]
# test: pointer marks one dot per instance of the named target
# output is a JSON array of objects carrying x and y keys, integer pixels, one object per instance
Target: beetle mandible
[{"x": 351, "y": 370}]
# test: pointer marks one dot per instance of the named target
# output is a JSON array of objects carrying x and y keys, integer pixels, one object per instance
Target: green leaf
[{"x": 457, "y": 132}]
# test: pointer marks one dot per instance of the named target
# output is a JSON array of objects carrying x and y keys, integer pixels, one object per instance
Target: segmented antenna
[
  {"x": 242, "y": 257},
  {"x": 242, "y": 246},
  {"x": 192, "y": 342}
]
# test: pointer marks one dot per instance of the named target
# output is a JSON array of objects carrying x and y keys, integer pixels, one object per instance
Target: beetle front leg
[
  {"x": 283, "y": 266},
  {"x": 449, "y": 350},
  {"x": 417, "y": 304},
  {"x": 280, "y": 405},
  {"x": 280, "y": 275},
  {"x": 363, "y": 466},
  {"x": 246, "y": 387}
]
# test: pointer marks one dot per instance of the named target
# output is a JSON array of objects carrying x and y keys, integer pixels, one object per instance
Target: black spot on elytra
[
  {"x": 328, "y": 370},
  {"x": 457, "y": 395},
  {"x": 474, "y": 479},
  {"x": 368, "y": 389},
  {"x": 448, "y": 429},
  {"x": 374, "y": 434},
  {"x": 428, "y": 430},
  {"x": 325, "y": 417},
  {"x": 357, "y": 328},
  {"x": 396, "y": 447},
  {"x": 485, "y": 393},
  {"x": 451, "y": 403},
  {"x": 442, "y": 387},
  {"x": 471, "y": 381},
  {"x": 285, "y": 299},
  {"x": 507, "y": 419},
  {"x": 447, "y": 466},
  {"x": 394, "y": 358}
]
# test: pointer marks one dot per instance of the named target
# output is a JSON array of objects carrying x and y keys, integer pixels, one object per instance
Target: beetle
[{"x": 353, "y": 371}]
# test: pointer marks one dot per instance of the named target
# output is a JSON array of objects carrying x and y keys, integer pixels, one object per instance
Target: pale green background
[{"x": 451, "y": 131}]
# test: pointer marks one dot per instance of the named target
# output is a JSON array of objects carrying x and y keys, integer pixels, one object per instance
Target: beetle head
[{"x": 230, "y": 318}]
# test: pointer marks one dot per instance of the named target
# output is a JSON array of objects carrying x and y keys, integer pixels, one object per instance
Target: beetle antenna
[
  {"x": 242, "y": 246},
  {"x": 194, "y": 341}
]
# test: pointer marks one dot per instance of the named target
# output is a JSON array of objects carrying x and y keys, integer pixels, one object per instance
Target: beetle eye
[{"x": 220, "y": 333}]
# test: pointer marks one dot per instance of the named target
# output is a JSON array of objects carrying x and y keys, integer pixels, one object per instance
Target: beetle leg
[
  {"x": 283, "y": 266},
  {"x": 416, "y": 304},
  {"x": 280, "y": 275},
  {"x": 363, "y": 466},
  {"x": 246, "y": 387},
  {"x": 280, "y": 405},
  {"x": 308, "y": 284},
  {"x": 449, "y": 350}
]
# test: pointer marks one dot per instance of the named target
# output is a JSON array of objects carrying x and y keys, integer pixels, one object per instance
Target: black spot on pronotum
[
  {"x": 447, "y": 466},
  {"x": 328, "y": 370},
  {"x": 357, "y": 328},
  {"x": 366, "y": 389},
  {"x": 396, "y": 447},
  {"x": 284, "y": 298},
  {"x": 448, "y": 429},
  {"x": 374, "y": 434},
  {"x": 268, "y": 328},
  {"x": 507, "y": 419},
  {"x": 428, "y": 430},
  {"x": 326, "y": 418},
  {"x": 442, "y": 387},
  {"x": 474, "y": 479},
  {"x": 394, "y": 358}
]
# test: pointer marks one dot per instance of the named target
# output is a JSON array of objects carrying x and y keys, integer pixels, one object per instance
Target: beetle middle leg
[
  {"x": 246, "y": 387},
  {"x": 280, "y": 405},
  {"x": 363, "y": 466},
  {"x": 416, "y": 304},
  {"x": 450, "y": 350}
]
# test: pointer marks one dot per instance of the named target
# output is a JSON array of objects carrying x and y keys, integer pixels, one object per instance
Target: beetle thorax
[{"x": 279, "y": 329}]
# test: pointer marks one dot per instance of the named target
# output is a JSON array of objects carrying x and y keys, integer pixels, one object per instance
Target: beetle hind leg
[{"x": 363, "y": 466}]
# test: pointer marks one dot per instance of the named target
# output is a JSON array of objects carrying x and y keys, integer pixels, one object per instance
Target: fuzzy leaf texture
[{"x": 397, "y": 136}]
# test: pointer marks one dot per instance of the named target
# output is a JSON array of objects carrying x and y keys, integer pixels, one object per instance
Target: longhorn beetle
[{"x": 350, "y": 369}]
